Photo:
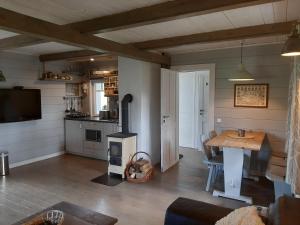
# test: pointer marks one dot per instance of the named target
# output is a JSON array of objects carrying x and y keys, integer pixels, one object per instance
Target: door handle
[{"x": 165, "y": 117}]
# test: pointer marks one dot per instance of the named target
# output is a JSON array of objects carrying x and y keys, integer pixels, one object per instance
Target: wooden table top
[
  {"x": 229, "y": 138},
  {"x": 74, "y": 215}
]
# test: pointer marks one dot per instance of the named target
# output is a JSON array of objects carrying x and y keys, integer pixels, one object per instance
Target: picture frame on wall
[{"x": 251, "y": 95}]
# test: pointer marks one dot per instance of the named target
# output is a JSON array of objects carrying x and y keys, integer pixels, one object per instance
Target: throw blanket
[{"x": 242, "y": 216}]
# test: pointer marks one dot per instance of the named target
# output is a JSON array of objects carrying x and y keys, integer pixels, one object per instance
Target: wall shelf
[
  {"x": 111, "y": 86},
  {"x": 56, "y": 80}
]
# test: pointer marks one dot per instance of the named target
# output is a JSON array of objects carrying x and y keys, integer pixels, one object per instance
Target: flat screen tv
[{"x": 20, "y": 105}]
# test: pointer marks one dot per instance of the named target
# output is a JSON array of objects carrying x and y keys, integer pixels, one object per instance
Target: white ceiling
[
  {"x": 66, "y": 11},
  {"x": 69, "y": 11},
  {"x": 247, "y": 16}
]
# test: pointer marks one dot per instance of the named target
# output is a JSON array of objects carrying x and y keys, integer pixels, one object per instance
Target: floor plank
[{"x": 33, "y": 187}]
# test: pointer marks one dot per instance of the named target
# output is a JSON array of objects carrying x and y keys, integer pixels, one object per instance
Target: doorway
[
  {"x": 202, "y": 109},
  {"x": 193, "y": 92}
]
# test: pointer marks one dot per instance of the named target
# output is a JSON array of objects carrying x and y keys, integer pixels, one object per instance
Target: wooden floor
[{"x": 34, "y": 187}]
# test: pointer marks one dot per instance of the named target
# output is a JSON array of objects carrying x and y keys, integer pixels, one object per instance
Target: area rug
[
  {"x": 262, "y": 192},
  {"x": 108, "y": 180}
]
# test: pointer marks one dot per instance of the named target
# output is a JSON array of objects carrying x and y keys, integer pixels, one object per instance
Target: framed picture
[{"x": 251, "y": 95}]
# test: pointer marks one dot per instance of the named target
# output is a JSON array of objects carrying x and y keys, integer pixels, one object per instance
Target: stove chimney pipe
[{"x": 125, "y": 120}]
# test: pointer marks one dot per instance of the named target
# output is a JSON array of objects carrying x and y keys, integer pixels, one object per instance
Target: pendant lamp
[
  {"x": 292, "y": 45},
  {"x": 241, "y": 74}
]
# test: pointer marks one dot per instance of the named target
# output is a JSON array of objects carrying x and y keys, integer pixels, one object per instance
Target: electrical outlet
[{"x": 219, "y": 120}]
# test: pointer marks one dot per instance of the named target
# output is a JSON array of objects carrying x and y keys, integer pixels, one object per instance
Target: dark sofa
[{"x": 183, "y": 211}]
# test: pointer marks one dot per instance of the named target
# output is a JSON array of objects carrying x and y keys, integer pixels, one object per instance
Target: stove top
[{"x": 77, "y": 115}]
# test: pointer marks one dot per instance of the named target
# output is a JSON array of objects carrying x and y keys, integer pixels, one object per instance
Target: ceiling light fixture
[
  {"x": 241, "y": 73},
  {"x": 92, "y": 59},
  {"x": 2, "y": 77},
  {"x": 292, "y": 44}
]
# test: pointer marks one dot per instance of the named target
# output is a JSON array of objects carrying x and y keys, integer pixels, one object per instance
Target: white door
[
  {"x": 202, "y": 108},
  {"x": 169, "y": 151}
]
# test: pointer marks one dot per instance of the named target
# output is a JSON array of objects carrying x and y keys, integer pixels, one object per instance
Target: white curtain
[{"x": 293, "y": 130}]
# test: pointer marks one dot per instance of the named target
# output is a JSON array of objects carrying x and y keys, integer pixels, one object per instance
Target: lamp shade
[
  {"x": 241, "y": 74},
  {"x": 2, "y": 77},
  {"x": 292, "y": 45}
]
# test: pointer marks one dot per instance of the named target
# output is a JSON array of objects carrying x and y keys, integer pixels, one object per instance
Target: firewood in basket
[
  {"x": 141, "y": 162},
  {"x": 146, "y": 167},
  {"x": 131, "y": 170},
  {"x": 147, "y": 170},
  {"x": 139, "y": 175}
]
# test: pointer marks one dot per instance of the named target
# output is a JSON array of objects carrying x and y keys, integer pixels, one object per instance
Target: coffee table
[{"x": 75, "y": 215}]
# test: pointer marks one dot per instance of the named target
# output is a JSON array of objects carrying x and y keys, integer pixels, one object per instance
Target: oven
[{"x": 92, "y": 135}]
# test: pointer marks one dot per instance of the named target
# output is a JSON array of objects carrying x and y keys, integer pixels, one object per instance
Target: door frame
[{"x": 211, "y": 110}]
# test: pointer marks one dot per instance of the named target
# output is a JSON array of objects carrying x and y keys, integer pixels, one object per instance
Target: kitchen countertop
[{"x": 93, "y": 119}]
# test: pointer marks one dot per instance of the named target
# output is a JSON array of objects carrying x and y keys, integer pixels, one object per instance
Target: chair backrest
[
  {"x": 215, "y": 149},
  {"x": 207, "y": 150},
  {"x": 212, "y": 134}
]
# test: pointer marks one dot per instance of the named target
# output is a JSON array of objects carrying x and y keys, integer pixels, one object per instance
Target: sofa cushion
[
  {"x": 242, "y": 216},
  {"x": 185, "y": 211}
]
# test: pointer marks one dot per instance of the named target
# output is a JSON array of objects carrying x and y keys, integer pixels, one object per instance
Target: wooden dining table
[{"x": 233, "y": 148}]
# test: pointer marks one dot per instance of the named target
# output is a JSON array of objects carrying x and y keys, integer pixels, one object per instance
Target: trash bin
[{"x": 4, "y": 165}]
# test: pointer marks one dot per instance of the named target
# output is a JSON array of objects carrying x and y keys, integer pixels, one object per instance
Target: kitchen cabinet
[
  {"x": 91, "y": 136},
  {"x": 74, "y": 133}
]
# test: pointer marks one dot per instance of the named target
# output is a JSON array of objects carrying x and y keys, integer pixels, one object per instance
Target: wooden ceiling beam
[
  {"x": 69, "y": 55},
  {"x": 215, "y": 36},
  {"x": 165, "y": 11},
  {"x": 19, "y": 41},
  {"x": 221, "y": 35},
  {"x": 19, "y": 23},
  {"x": 161, "y": 12}
]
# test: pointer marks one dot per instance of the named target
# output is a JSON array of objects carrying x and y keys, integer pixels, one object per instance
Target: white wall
[
  {"x": 32, "y": 139},
  {"x": 142, "y": 80},
  {"x": 268, "y": 66}
]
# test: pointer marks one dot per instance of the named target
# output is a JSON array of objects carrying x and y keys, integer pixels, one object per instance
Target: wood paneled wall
[
  {"x": 267, "y": 66},
  {"x": 32, "y": 139}
]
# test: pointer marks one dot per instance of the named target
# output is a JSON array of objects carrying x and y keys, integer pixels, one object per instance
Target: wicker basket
[{"x": 147, "y": 176}]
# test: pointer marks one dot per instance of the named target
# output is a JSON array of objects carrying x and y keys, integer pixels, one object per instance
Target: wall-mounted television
[{"x": 20, "y": 105}]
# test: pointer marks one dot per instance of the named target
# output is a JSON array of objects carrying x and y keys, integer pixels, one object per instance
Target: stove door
[{"x": 115, "y": 153}]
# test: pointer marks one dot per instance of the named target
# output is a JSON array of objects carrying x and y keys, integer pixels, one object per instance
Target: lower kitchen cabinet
[
  {"x": 91, "y": 138},
  {"x": 74, "y": 134}
]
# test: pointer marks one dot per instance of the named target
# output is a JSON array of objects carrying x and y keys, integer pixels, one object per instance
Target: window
[{"x": 100, "y": 101}]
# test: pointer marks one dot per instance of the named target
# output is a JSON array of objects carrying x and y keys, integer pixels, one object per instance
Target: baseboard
[{"x": 29, "y": 161}]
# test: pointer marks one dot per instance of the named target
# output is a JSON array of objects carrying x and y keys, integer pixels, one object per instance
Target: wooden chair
[
  {"x": 276, "y": 172},
  {"x": 215, "y": 149},
  {"x": 214, "y": 163}
]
